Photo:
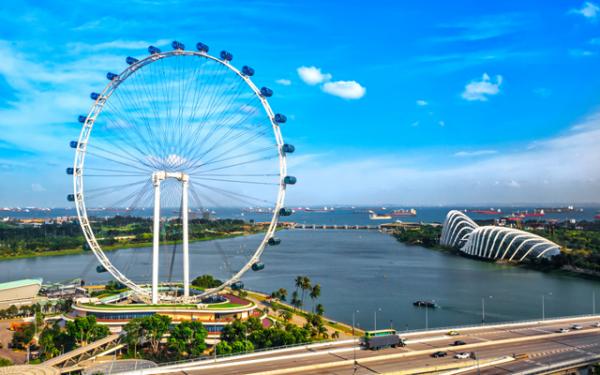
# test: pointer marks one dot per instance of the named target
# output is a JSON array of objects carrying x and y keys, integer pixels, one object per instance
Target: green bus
[{"x": 380, "y": 332}]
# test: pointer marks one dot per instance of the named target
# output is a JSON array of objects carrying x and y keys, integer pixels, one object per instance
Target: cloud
[
  {"x": 480, "y": 90},
  {"x": 588, "y": 10},
  {"x": 462, "y": 154},
  {"x": 37, "y": 188},
  {"x": 118, "y": 44},
  {"x": 481, "y": 28},
  {"x": 442, "y": 123},
  {"x": 542, "y": 92},
  {"x": 422, "y": 103},
  {"x": 562, "y": 169},
  {"x": 581, "y": 53},
  {"x": 284, "y": 82},
  {"x": 312, "y": 75},
  {"x": 345, "y": 89}
]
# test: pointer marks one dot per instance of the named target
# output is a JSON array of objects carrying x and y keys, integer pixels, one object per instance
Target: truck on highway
[{"x": 381, "y": 339}]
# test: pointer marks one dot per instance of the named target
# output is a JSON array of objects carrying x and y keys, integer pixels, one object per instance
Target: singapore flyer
[{"x": 179, "y": 137}]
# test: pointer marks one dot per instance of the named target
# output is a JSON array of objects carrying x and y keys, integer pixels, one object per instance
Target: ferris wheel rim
[{"x": 79, "y": 163}]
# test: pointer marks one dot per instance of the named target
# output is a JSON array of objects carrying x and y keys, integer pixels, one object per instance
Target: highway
[{"x": 536, "y": 345}]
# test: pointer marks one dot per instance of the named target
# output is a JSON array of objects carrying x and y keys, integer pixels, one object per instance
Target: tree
[
  {"x": 135, "y": 334},
  {"x": 296, "y": 302},
  {"x": 285, "y": 315},
  {"x": 5, "y": 362},
  {"x": 315, "y": 293},
  {"x": 187, "y": 338},
  {"x": 22, "y": 337},
  {"x": 84, "y": 330},
  {"x": 320, "y": 310},
  {"x": 53, "y": 341},
  {"x": 242, "y": 346},
  {"x": 206, "y": 281},
  {"x": 305, "y": 287},
  {"x": 223, "y": 348},
  {"x": 155, "y": 326}
]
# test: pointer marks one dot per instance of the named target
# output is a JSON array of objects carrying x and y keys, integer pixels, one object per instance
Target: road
[{"x": 536, "y": 343}]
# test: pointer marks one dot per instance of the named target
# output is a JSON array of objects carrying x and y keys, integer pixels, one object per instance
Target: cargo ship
[
  {"x": 375, "y": 216},
  {"x": 535, "y": 213},
  {"x": 491, "y": 211},
  {"x": 402, "y": 212}
]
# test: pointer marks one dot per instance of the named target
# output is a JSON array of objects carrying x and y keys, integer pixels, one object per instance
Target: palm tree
[
  {"x": 298, "y": 282},
  {"x": 305, "y": 285},
  {"x": 295, "y": 300},
  {"x": 320, "y": 310},
  {"x": 282, "y": 292},
  {"x": 315, "y": 293}
]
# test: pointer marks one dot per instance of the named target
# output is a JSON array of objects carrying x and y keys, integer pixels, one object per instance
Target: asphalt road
[{"x": 538, "y": 344}]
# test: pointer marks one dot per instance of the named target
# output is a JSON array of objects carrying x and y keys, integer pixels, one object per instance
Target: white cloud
[
  {"x": 581, "y": 53},
  {"x": 595, "y": 41},
  {"x": 480, "y": 90},
  {"x": 462, "y": 154},
  {"x": 37, "y": 188},
  {"x": 345, "y": 89},
  {"x": 588, "y": 10},
  {"x": 442, "y": 123},
  {"x": 422, "y": 103},
  {"x": 116, "y": 45},
  {"x": 313, "y": 75},
  {"x": 284, "y": 82},
  {"x": 415, "y": 124}
]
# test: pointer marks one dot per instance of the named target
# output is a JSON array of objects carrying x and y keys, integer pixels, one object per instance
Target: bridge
[
  {"x": 383, "y": 226},
  {"x": 79, "y": 358},
  {"x": 532, "y": 347}
]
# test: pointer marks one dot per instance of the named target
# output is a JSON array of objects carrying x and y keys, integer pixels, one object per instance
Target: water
[{"x": 358, "y": 270}]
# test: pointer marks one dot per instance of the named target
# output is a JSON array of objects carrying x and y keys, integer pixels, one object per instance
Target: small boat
[
  {"x": 374, "y": 216},
  {"x": 426, "y": 304}
]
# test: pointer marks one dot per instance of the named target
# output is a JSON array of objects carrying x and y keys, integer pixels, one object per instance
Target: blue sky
[{"x": 428, "y": 102}]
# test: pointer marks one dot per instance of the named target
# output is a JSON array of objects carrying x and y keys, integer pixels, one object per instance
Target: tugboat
[{"x": 426, "y": 304}]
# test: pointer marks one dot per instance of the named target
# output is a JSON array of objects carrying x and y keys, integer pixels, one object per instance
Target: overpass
[
  {"x": 533, "y": 347},
  {"x": 76, "y": 359}
]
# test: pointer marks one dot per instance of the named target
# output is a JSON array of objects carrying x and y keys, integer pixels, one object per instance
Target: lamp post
[
  {"x": 483, "y": 309},
  {"x": 544, "y": 305},
  {"x": 426, "y": 317},
  {"x": 375, "y": 319},
  {"x": 354, "y": 335}
]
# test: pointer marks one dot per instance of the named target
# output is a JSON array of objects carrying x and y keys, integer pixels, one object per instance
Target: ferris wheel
[{"x": 180, "y": 131}]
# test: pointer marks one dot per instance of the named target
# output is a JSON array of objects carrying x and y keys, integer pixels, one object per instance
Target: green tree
[
  {"x": 296, "y": 302},
  {"x": 223, "y": 348},
  {"x": 22, "y": 338},
  {"x": 84, "y": 330},
  {"x": 134, "y": 334},
  {"x": 315, "y": 293},
  {"x": 243, "y": 346},
  {"x": 187, "y": 339},
  {"x": 155, "y": 327},
  {"x": 5, "y": 362},
  {"x": 319, "y": 309},
  {"x": 285, "y": 315}
]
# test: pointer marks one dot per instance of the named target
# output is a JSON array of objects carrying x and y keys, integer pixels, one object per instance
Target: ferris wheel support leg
[
  {"x": 155, "y": 242},
  {"x": 186, "y": 245}
]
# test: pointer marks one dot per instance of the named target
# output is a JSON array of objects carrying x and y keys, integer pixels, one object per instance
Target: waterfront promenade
[{"x": 527, "y": 347}]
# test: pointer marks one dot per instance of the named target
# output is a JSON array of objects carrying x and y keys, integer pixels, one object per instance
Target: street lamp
[
  {"x": 483, "y": 309},
  {"x": 544, "y": 305},
  {"x": 354, "y": 335},
  {"x": 375, "y": 319}
]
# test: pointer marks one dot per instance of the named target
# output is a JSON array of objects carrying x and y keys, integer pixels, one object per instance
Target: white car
[
  {"x": 462, "y": 355},
  {"x": 563, "y": 330},
  {"x": 577, "y": 327},
  {"x": 597, "y": 325}
]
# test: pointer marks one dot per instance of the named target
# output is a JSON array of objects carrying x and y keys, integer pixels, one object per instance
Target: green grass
[{"x": 227, "y": 305}]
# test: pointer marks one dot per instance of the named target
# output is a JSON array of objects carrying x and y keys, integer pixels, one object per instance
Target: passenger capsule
[
  {"x": 71, "y": 197},
  {"x": 131, "y": 60},
  {"x": 226, "y": 55},
  {"x": 94, "y": 96},
  {"x": 153, "y": 50},
  {"x": 81, "y": 118},
  {"x": 289, "y": 180},
  {"x": 70, "y": 171},
  {"x": 247, "y": 71},
  {"x": 111, "y": 76},
  {"x": 73, "y": 144},
  {"x": 202, "y": 47},
  {"x": 274, "y": 241},
  {"x": 280, "y": 119},
  {"x": 101, "y": 269},
  {"x": 177, "y": 45},
  {"x": 288, "y": 149},
  {"x": 266, "y": 92},
  {"x": 285, "y": 212},
  {"x": 238, "y": 285},
  {"x": 258, "y": 266}
]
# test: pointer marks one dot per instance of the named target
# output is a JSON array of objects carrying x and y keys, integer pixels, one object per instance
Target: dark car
[
  {"x": 439, "y": 354},
  {"x": 459, "y": 342}
]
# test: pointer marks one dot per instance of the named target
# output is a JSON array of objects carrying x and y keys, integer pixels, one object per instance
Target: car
[
  {"x": 597, "y": 325},
  {"x": 563, "y": 330},
  {"x": 439, "y": 354},
  {"x": 459, "y": 342},
  {"x": 453, "y": 333},
  {"x": 576, "y": 327},
  {"x": 462, "y": 355}
]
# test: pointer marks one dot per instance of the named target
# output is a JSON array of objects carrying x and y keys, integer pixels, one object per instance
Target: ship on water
[
  {"x": 402, "y": 212},
  {"x": 374, "y": 216},
  {"x": 491, "y": 211},
  {"x": 534, "y": 213}
]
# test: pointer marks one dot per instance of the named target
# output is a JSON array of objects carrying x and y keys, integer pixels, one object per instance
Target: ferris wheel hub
[{"x": 163, "y": 175}]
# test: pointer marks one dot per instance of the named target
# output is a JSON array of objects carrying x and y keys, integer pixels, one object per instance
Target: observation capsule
[
  {"x": 289, "y": 180},
  {"x": 177, "y": 45},
  {"x": 247, "y": 71},
  {"x": 131, "y": 60},
  {"x": 274, "y": 241},
  {"x": 71, "y": 197},
  {"x": 201, "y": 47},
  {"x": 111, "y": 76},
  {"x": 81, "y": 118},
  {"x": 101, "y": 269},
  {"x": 238, "y": 285},
  {"x": 153, "y": 50},
  {"x": 285, "y": 211},
  {"x": 94, "y": 96},
  {"x": 226, "y": 56},
  {"x": 73, "y": 144},
  {"x": 266, "y": 92},
  {"x": 258, "y": 266},
  {"x": 280, "y": 119},
  {"x": 288, "y": 149},
  {"x": 70, "y": 170}
]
